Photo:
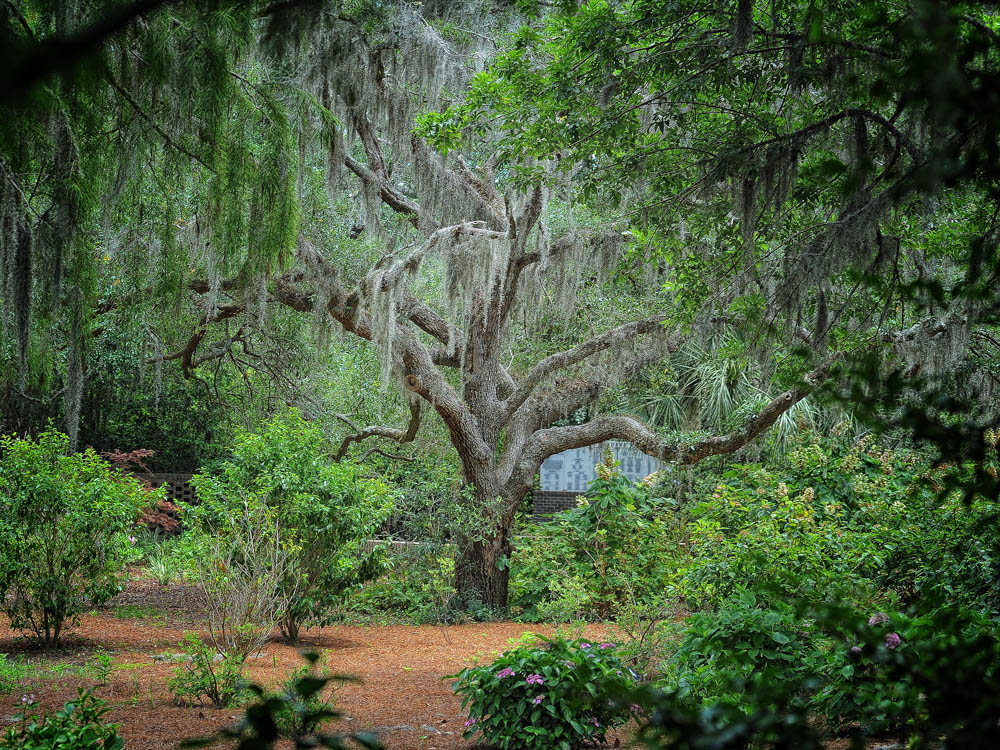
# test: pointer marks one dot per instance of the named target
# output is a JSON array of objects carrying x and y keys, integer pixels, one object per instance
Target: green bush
[
  {"x": 327, "y": 511},
  {"x": 296, "y": 711},
  {"x": 721, "y": 650},
  {"x": 207, "y": 674},
  {"x": 78, "y": 725},
  {"x": 66, "y": 521},
  {"x": 302, "y": 712},
  {"x": 936, "y": 674},
  {"x": 549, "y": 693},
  {"x": 778, "y": 540},
  {"x": 618, "y": 544}
]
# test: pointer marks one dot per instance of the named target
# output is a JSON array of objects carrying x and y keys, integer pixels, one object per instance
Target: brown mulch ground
[{"x": 402, "y": 697}]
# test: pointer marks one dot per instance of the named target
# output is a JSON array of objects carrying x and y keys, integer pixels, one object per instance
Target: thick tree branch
[
  {"x": 186, "y": 353},
  {"x": 553, "y": 440},
  {"x": 555, "y": 362},
  {"x": 399, "y": 435}
]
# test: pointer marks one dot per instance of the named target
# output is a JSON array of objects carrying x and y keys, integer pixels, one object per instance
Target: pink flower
[
  {"x": 879, "y": 618},
  {"x": 469, "y": 723},
  {"x": 536, "y": 700},
  {"x": 892, "y": 640},
  {"x": 635, "y": 708},
  {"x": 584, "y": 645},
  {"x": 594, "y": 721},
  {"x": 535, "y": 679},
  {"x": 605, "y": 645},
  {"x": 505, "y": 672}
]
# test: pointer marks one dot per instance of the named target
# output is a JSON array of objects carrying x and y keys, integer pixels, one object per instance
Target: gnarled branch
[{"x": 399, "y": 435}]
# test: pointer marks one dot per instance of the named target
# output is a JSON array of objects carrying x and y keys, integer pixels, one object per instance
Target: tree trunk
[
  {"x": 479, "y": 577},
  {"x": 482, "y": 565}
]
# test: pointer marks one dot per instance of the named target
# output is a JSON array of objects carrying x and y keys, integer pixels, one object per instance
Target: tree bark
[{"x": 480, "y": 577}]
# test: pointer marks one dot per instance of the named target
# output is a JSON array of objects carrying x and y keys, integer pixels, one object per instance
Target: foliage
[
  {"x": 779, "y": 541},
  {"x": 302, "y": 714},
  {"x": 243, "y": 575},
  {"x": 13, "y": 673},
  {"x": 260, "y": 725},
  {"x": 65, "y": 526},
  {"x": 78, "y": 725},
  {"x": 547, "y": 693},
  {"x": 207, "y": 674},
  {"x": 888, "y": 676},
  {"x": 614, "y": 546},
  {"x": 722, "y": 650},
  {"x": 327, "y": 512}
]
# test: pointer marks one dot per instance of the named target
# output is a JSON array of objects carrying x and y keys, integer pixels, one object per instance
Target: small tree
[
  {"x": 65, "y": 521},
  {"x": 328, "y": 511}
]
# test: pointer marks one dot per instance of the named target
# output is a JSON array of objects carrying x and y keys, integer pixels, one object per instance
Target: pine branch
[{"x": 53, "y": 55}]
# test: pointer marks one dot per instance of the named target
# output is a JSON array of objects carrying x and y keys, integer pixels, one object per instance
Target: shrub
[
  {"x": 327, "y": 511},
  {"x": 243, "y": 572},
  {"x": 65, "y": 525},
  {"x": 263, "y": 718},
  {"x": 302, "y": 712},
  {"x": 775, "y": 538},
  {"x": 78, "y": 725},
  {"x": 934, "y": 675},
  {"x": 555, "y": 693},
  {"x": 615, "y": 545},
  {"x": 720, "y": 651},
  {"x": 207, "y": 674}
]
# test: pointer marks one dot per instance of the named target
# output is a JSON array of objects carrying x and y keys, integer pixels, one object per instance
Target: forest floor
[{"x": 402, "y": 697}]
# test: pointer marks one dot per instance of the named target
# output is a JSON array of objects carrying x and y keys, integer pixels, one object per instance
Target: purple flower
[
  {"x": 28, "y": 699},
  {"x": 505, "y": 672},
  {"x": 536, "y": 700},
  {"x": 605, "y": 645},
  {"x": 131, "y": 540},
  {"x": 855, "y": 650},
  {"x": 584, "y": 645},
  {"x": 469, "y": 723},
  {"x": 879, "y": 618},
  {"x": 535, "y": 679},
  {"x": 594, "y": 721},
  {"x": 892, "y": 640},
  {"x": 635, "y": 708}
]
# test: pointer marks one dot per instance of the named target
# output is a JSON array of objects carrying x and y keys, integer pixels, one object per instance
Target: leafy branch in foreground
[{"x": 260, "y": 727}]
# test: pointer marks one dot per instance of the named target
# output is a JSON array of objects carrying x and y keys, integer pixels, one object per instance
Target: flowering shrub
[
  {"x": 549, "y": 693},
  {"x": 65, "y": 526},
  {"x": 934, "y": 675}
]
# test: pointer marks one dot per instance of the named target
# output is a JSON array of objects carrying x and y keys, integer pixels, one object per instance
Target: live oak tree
[{"x": 214, "y": 205}]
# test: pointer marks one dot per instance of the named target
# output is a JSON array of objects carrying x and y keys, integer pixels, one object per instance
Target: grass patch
[
  {"x": 12, "y": 673},
  {"x": 135, "y": 612}
]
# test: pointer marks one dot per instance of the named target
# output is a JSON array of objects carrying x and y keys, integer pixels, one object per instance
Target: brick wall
[
  {"x": 178, "y": 487},
  {"x": 547, "y": 502}
]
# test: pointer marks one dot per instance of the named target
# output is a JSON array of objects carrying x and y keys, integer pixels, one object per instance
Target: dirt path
[{"x": 403, "y": 696}]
